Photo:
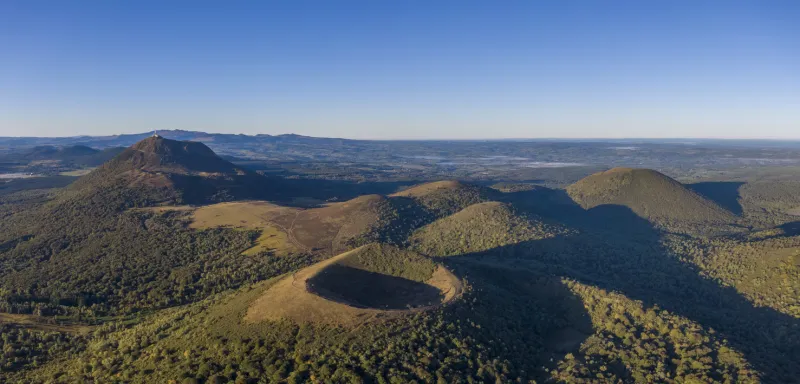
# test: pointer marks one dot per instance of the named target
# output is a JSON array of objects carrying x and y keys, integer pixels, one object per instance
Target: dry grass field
[
  {"x": 40, "y": 323},
  {"x": 326, "y": 230},
  {"x": 426, "y": 188}
]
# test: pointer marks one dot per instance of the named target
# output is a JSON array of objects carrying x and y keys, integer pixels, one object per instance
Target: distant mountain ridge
[
  {"x": 48, "y": 151},
  {"x": 128, "y": 139},
  {"x": 125, "y": 140},
  {"x": 78, "y": 155}
]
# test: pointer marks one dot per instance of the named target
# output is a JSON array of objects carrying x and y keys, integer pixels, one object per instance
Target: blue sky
[{"x": 402, "y": 69}]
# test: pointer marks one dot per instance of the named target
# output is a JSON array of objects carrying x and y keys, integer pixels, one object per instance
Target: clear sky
[{"x": 402, "y": 69}]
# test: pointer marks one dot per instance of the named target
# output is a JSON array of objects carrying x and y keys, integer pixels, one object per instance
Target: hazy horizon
[
  {"x": 410, "y": 70},
  {"x": 598, "y": 139}
]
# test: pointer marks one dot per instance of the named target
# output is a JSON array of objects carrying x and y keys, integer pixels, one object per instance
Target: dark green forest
[{"x": 105, "y": 280}]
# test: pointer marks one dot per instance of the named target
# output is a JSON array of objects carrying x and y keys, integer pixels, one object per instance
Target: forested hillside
[
  {"x": 137, "y": 274},
  {"x": 654, "y": 197}
]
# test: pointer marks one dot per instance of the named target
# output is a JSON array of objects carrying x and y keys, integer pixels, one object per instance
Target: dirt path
[
  {"x": 292, "y": 238},
  {"x": 289, "y": 231}
]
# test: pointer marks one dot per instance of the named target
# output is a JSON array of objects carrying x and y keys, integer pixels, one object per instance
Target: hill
[
  {"x": 159, "y": 155},
  {"x": 133, "y": 253},
  {"x": 72, "y": 155},
  {"x": 513, "y": 326},
  {"x": 327, "y": 230},
  {"x": 173, "y": 172},
  {"x": 254, "y": 291},
  {"x": 477, "y": 228},
  {"x": 544, "y": 311},
  {"x": 651, "y": 195},
  {"x": 51, "y": 152},
  {"x": 366, "y": 284},
  {"x": 340, "y": 226},
  {"x": 125, "y": 140},
  {"x": 442, "y": 198}
]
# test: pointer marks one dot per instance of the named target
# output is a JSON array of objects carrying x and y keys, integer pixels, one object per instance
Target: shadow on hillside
[
  {"x": 317, "y": 191},
  {"x": 535, "y": 315},
  {"x": 299, "y": 193},
  {"x": 17, "y": 185},
  {"x": 618, "y": 251},
  {"x": 410, "y": 217},
  {"x": 790, "y": 229},
  {"x": 556, "y": 205},
  {"x": 365, "y": 289},
  {"x": 724, "y": 193}
]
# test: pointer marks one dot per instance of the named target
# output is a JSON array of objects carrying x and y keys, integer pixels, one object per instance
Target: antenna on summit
[{"x": 155, "y": 134}]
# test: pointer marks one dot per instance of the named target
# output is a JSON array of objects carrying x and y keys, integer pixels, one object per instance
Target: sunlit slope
[
  {"x": 86, "y": 251},
  {"x": 368, "y": 283},
  {"x": 514, "y": 327},
  {"x": 650, "y": 195},
  {"x": 331, "y": 229},
  {"x": 443, "y": 198},
  {"x": 480, "y": 227}
]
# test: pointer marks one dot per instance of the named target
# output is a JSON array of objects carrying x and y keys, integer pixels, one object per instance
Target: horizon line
[{"x": 543, "y": 138}]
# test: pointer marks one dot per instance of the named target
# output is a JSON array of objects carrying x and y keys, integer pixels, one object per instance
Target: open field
[
  {"x": 77, "y": 172},
  {"x": 251, "y": 215},
  {"x": 286, "y": 230}
]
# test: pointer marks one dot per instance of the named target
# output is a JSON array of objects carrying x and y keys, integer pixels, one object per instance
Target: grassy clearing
[
  {"x": 41, "y": 323},
  {"x": 77, "y": 172},
  {"x": 258, "y": 215},
  {"x": 327, "y": 230},
  {"x": 273, "y": 240},
  {"x": 247, "y": 214}
]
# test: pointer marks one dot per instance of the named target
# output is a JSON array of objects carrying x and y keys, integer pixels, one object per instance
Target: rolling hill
[
  {"x": 650, "y": 195},
  {"x": 76, "y": 155},
  {"x": 480, "y": 227},
  {"x": 46, "y": 152},
  {"x": 327, "y": 230},
  {"x": 442, "y": 198},
  {"x": 399, "y": 288}
]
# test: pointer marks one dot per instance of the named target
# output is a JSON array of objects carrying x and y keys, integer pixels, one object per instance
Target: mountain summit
[
  {"x": 160, "y": 145},
  {"x": 184, "y": 171},
  {"x": 157, "y": 154}
]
